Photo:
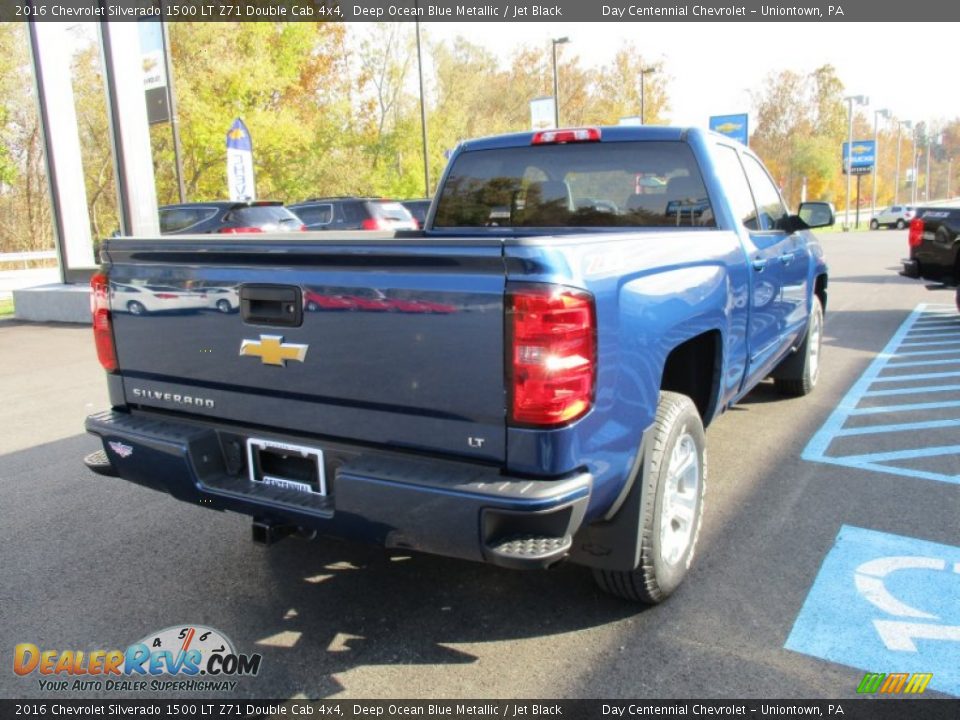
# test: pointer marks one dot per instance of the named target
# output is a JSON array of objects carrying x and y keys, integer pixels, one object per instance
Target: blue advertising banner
[
  {"x": 240, "y": 180},
  {"x": 861, "y": 158},
  {"x": 733, "y": 126}
]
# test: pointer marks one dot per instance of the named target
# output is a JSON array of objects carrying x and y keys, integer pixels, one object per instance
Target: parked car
[
  {"x": 895, "y": 216},
  {"x": 418, "y": 208},
  {"x": 225, "y": 299},
  {"x": 225, "y": 216},
  {"x": 142, "y": 299},
  {"x": 934, "y": 245},
  {"x": 354, "y": 213}
]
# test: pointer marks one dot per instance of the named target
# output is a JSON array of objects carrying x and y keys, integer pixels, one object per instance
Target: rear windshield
[
  {"x": 628, "y": 184},
  {"x": 262, "y": 215},
  {"x": 176, "y": 219},
  {"x": 389, "y": 211}
]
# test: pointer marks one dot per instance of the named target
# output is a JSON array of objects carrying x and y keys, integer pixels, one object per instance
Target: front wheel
[
  {"x": 672, "y": 508},
  {"x": 135, "y": 308},
  {"x": 874, "y": 225},
  {"x": 901, "y": 224},
  {"x": 799, "y": 373}
]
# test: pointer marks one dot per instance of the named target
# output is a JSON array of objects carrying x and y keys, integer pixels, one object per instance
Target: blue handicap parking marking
[
  {"x": 902, "y": 415},
  {"x": 887, "y": 604}
]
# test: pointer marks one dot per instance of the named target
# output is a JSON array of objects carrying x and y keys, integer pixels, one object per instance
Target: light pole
[
  {"x": 423, "y": 119},
  {"x": 896, "y": 183},
  {"x": 926, "y": 183},
  {"x": 859, "y": 100},
  {"x": 643, "y": 74},
  {"x": 876, "y": 155},
  {"x": 915, "y": 166},
  {"x": 556, "y": 83}
]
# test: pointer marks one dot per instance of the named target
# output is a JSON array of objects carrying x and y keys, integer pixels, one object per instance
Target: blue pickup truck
[{"x": 524, "y": 381}]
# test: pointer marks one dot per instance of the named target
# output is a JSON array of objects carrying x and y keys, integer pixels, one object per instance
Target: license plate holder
[{"x": 286, "y": 466}]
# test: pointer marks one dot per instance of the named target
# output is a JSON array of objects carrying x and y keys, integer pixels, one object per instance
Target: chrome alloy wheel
[{"x": 681, "y": 494}]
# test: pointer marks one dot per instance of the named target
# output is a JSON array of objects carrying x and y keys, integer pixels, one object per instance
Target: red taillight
[
  {"x": 102, "y": 324},
  {"x": 916, "y": 233},
  {"x": 552, "y": 357},
  {"x": 234, "y": 230},
  {"x": 568, "y": 135},
  {"x": 375, "y": 224},
  {"x": 303, "y": 228}
]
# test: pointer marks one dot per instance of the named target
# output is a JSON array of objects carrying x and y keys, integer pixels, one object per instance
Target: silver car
[{"x": 898, "y": 216}]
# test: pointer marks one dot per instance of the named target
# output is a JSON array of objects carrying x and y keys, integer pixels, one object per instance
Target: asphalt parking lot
[{"x": 830, "y": 547}]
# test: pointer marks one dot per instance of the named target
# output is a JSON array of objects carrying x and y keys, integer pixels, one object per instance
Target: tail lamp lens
[
  {"x": 552, "y": 354},
  {"x": 239, "y": 230},
  {"x": 102, "y": 322},
  {"x": 915, "y": 237},
  {"x": 375, "y": 224}
]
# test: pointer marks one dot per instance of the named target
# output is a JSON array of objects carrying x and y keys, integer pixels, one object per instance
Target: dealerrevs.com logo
[{"x": 181, "y": 657}]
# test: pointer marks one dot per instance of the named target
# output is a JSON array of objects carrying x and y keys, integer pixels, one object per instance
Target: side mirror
[{"x": 816, "y": 214}]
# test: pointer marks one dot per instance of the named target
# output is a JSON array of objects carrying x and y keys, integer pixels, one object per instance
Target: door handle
[
  {"x": 759, "y": 264},
  {"x": 278, "y": 305},
  {"x": 787, "y": 258}
]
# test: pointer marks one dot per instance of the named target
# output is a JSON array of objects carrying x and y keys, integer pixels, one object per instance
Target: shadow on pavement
[{"x": 98, "y": 563}]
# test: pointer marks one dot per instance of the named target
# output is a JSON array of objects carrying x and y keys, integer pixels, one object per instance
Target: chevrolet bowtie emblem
[{"x": 272, "y": 350}]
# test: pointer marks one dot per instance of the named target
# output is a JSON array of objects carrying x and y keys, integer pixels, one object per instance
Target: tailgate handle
[{"x": 276, "y": 305}]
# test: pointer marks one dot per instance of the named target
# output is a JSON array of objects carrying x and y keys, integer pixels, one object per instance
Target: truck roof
[{"x": 608, "y": 133}]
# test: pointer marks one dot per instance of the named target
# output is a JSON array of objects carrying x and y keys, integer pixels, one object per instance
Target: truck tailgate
[{"x": 391, "y": 341}]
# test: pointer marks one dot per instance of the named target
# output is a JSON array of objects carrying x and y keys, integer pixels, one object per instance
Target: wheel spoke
[{"x": 680, "y": 497}]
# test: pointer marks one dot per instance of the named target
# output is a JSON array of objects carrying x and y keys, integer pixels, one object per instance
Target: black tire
[
  {"x": 901, "y": 224},
  {"x": 798, "y": 374},
  {"x": 136, "y": 308},
  {"x": 224, "y": 306},
  {"x": 874, "y": 225},
  {"x": 665, "y": 554}
]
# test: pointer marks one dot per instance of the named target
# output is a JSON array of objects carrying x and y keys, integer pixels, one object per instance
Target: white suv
[{"x": 898, "y": 216}]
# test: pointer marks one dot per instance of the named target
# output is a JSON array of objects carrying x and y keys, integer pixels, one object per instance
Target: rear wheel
[
  {"x": 224, "y": 306},
  {"x": 874, "y": 225},
  {"x": 672, "y": 508},
  {"x": 901, "y": 224},
  {"x": 799, "y": 373}
]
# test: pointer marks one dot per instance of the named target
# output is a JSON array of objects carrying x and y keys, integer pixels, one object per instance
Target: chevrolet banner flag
[{"x": 240, "y": 162}]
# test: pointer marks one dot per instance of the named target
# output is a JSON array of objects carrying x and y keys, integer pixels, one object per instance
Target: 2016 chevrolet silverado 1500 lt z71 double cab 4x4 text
[{"x": 593, "y": 322}]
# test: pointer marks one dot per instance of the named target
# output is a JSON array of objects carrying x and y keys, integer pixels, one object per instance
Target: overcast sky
[{"x": 712, "y": 65}]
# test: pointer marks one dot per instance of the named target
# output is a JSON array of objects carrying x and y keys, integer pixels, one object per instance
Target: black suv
[
  {"x": 354, "y": 213},
  {"x": 226, "y": 216}
]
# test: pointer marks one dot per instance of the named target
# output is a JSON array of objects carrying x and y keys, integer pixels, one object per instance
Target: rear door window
[
  {"x": 315, "y": 214},
  {"x": 258, "y": 215},
  {"x": 614, "y": 184},
  {"x": 353, "y": 214}
]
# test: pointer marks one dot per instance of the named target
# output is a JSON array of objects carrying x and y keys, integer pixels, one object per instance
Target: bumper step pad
[
  {"x": 99, "y": 463},
  {"x": 525, "y": 551}
]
